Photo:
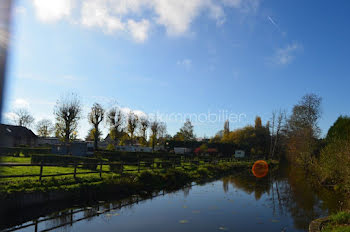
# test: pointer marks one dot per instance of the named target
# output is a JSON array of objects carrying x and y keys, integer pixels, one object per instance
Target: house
[
  {"x": 76, "y": 148},
  {"x": 239, "y": 154},
  {"x": 14, "y": 136},
  {"x": 133, "y": 148},
  {"x": 182, "y": 150},
  {"x": 48, "y": 141}
]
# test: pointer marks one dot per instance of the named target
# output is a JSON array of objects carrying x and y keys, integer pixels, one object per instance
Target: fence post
[
  {"x": 75, "y": 169},
  {"x": 101, "y": 169},
  {"x": 138, "y": 165},
  {"x": 122, "y": 167},
  {"x": 41, "y": 170}
]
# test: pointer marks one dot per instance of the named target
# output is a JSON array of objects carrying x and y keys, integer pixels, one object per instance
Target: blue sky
[{"x": 243, "y": 57}]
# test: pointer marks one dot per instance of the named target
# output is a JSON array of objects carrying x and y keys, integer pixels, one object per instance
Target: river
[{"x": 283, "y": 201}]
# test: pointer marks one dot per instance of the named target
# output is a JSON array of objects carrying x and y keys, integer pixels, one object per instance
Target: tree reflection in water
[{"x": 291, "y": 192}]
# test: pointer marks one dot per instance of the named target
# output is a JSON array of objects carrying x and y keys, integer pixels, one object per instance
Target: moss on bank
[
  {"x": 339, "y": 222},
  {"x": 126, "y": 184}
]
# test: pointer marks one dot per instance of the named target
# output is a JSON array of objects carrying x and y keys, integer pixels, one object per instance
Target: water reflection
[{"x": 284, "y": 200}]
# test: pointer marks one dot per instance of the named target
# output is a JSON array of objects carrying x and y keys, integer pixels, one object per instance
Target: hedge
[
  {"x": 27, "y": 151},
  {"x": 64, "y": 160}
]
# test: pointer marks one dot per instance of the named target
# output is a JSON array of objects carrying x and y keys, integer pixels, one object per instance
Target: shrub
[
  {"x": 203, "y": 172},
  {"x": 333, "y": 165},
  {"x": 175, "y": 177},
  {"x": 340, "y": 218},
  {"x": 150, "y": 179}
]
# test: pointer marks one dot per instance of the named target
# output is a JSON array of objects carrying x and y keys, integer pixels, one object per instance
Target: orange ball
[{"x": 260, "y": 169}]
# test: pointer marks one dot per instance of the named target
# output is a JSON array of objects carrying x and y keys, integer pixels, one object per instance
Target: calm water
[{"x": 283, "y": 201}]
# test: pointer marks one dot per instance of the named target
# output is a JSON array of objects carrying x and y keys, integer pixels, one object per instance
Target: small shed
[{"x": 239, "y": 154}]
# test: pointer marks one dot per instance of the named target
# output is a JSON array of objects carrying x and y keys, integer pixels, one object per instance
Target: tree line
[{"x": 124, "y": 127}]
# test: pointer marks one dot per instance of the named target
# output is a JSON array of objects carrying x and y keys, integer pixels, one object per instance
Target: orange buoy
[{"x": 260, "y": 169}]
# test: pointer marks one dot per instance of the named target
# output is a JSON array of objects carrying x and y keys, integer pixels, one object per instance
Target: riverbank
[
  {"x": 22, "y": 193},
  {"x": 339, "y": 222}
]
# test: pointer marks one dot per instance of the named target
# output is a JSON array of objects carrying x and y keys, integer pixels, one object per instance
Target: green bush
[
  {"x": 150, "y": 179},
  {"x": 340, "y": 218},
  {"x": 333, "y": 165},
  {"x": 174, "y": 177},
  {"x": 203, "y": 172}
]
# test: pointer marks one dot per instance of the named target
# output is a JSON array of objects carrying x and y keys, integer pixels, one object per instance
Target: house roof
[{"x": 15, "y": 131}]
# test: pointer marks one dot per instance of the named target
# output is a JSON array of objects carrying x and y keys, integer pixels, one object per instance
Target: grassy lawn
[
  {"x": 10, "y": 159},
  {"x": 339, "y": 222}
]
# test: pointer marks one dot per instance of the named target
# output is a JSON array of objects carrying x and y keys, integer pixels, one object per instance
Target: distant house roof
[{"x": 15, "y": 131}]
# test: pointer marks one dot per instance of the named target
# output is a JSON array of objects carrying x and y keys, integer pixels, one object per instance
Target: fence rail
[{"x": 119, "y": 167}]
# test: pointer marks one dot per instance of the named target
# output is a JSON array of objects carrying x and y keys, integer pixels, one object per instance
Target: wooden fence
[{"x": 114, "y": 167}]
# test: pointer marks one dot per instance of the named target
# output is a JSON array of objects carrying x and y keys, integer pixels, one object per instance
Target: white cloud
[
  {"x": 286, "y": 55},
  {"x": 139, "y": 30},
  {"x": 53, "y": 10},
  {"x": 127, "y": 111},
  {"x": 187, "y": 63},
  {"x": 21, "y": 103},
  {"x": 245, "y": 6},
  {"x": 96, "y": 13},
  {"x": 10, "y": 116},
  {"x": 136, "y": 16}
]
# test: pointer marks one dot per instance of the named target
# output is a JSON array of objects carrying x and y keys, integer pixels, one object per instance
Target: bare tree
[
  {"x": 44, "y": 128},
  {"x": 68, "y": 112},
  {"x": 133, "y": 122},
  {"x": 276, "y": 128},
  {"x": 144, "y": 124},
  {"x": 162, "y": 130},
  {"x": 116, "y": 120},
  {"x": 23, "y": 118},
  {"x": 154, "y": 130},
  {"x": 96, "y": 116}
]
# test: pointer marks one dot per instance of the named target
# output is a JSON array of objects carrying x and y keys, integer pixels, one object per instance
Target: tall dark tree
[
  {"x": 96, "y": 116},
  {"x": 186, "y": 132},
  {"x": 339, "y": 130},
  {"x": 303, "y": 130},
  {"x": 68, "y": 113}
]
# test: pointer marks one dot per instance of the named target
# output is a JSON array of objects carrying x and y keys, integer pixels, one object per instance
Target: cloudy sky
[{"x": 180, "y": 57}]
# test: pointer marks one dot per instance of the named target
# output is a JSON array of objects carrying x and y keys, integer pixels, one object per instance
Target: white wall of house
[
  {"x": 48, "y": 141},
  {"x": 133, "y": 149},
  {"x": 239, "y": 154},
  {"x": 181, "y": 150}
]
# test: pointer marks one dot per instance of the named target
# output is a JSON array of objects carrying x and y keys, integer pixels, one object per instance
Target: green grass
[
  {"x": 339, "y": 222},
  {"x": 130, "y": 182},
  {"x": 336, "y": 228},
  {"x": 10, "y": 159}
]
